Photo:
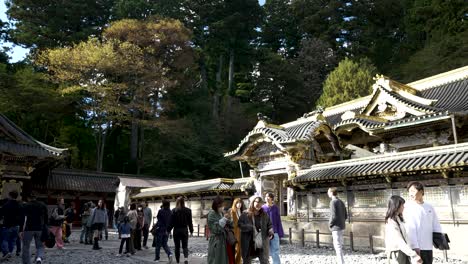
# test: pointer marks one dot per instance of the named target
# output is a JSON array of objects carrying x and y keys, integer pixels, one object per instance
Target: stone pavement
[{"x": 75, "y": 253}]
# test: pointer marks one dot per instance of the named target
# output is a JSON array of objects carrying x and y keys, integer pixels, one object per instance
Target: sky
[{"x": 18, "y": 53}]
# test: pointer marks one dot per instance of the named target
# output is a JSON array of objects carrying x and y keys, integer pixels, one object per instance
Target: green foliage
[
  {"x": 348, "y": 81},
  {"x": 47, "y": 23}
]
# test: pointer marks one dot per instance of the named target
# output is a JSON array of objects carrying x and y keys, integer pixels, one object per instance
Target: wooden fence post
[
  {"x": 303, "y": 237},
  {"x": 317, "y": 238},
  {"x": 371, "y": 244},
  {"x": 351, "y": 241},
  {"x": 290, "y": 236}
]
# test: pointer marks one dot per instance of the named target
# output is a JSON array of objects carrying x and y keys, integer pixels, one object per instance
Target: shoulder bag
[
  {"x": 398, "y": 256},
  {"x": 257, "y": 236}
]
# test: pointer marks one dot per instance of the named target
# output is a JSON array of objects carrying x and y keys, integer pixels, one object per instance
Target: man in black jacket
[
  {"x": 337, "y": 223},
  {"x": 35, "y": 220},
  {"x": 11, "y": 212}
]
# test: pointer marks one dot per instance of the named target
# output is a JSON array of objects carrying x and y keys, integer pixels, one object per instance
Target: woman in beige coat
[{"x": 396, "y": 239}]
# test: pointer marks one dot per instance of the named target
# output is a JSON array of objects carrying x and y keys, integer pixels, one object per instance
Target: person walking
[
  {"x": 133, "y": 220},
  {"x": 273, "y": 212},
  {"x": 217, "y": 221},
  {"x": 12, "y": 215},
  {"x": 396, "y": 239},
  {"x": 84, "y": 224},
  {"x": 337, "y": 223},
  {"x": 421, "y": 222},
  {"x": 236, "y": 211},
  {"x": 148, "y": 215},
  {"x": 55, "y": 222},
  {"x": 98, "y": 220},
  {"x": 181, "y": 222},
  {"x": 125, "y": 231},
  {"x": 161, "y": 231},
  {"x": 256, "y": 233},
  {"x": 34, "y": 222}
]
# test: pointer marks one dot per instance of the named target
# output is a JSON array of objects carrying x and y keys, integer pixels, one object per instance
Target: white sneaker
[
  {"x": 170, "y": 259},
  {"x": 38, "y": 261}
]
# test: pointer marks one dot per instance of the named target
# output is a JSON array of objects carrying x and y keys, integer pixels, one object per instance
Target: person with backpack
[
  {"x": 125, "y": 233},
  {"x": 35, "y": 220},
  {"x": 181, "y": 222}
]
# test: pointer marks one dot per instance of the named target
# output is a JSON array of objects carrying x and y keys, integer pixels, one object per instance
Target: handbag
[
  {"x": 441, "y": 241},
  {"x": 230, "y": 237},
  {"x": 257, "y": 236},
  {"x": 398, "y": 257}
]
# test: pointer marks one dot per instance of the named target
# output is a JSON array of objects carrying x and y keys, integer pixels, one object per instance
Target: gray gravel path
[{"x": 76, "y": 253}]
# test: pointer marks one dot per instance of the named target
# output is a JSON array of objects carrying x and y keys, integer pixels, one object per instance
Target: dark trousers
[
  {"x": 426, "y": 256},
  {"x": 145, "y": 234},
  {"x": 180, "y": 237},
  {"x": 161, "y": 241},
  {"x": 137, "y": 239},
  {"x": 125, "y": 241}
]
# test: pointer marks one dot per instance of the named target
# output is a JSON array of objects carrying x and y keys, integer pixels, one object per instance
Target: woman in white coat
[{"x": 396, "y": 239}]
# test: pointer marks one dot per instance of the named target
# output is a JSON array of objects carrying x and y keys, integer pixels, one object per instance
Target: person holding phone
[{"x": 256, "y": 233}]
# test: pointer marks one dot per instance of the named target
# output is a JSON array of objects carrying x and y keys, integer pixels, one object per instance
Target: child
[{"x": 125, "y": 231}]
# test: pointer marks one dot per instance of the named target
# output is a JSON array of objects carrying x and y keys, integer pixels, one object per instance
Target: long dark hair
[
  {"x": 394, "y": 204},
  {"x": 180, "y": 202},
  {"x": 251, "y": 209}
]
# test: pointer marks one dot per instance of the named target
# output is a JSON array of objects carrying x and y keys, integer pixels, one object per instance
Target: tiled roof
[
  {"x": 81, "y": 182},
  {"x": 370, "y": 125},
  {"x": 206, "y": 186},
  {"x": 281, "y": 135},
  {"x": 17, "y": 142},
  {"x": 145, "y": 182},
  {"x": 451, "y": 96},
  {"x": 427, "y": 159}
]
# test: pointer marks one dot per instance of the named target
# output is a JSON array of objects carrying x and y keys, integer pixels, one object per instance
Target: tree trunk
[
  {"x": 231, "y": 71},
  {"x": 134, "y": 139},
  {"x": 140, "y": 150},
  {"x": 203, "y": 74},
  {"x": 217, "y": 92},
  {"x": 101, "y": 143}
]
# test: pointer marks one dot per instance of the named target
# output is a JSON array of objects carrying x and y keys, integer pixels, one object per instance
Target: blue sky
[{"x": 19, "y": 53}]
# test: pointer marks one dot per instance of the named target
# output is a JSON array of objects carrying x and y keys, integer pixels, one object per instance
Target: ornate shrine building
[
  {"x": 370, "y": 148},
  {"x": 24, "y": 160}
]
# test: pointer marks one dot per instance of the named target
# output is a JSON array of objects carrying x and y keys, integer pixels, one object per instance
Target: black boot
[{"x": 96, "y": 244}]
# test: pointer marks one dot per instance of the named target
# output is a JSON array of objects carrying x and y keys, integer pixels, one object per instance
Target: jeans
[
  {"x": 27, "y": 237},
  {"x": 83, "y": 237},
  {"x": 426, "y": 256},
  {"x": 57, "y": 231},
  {"x": 275, "y": 249},
  {"x": 338, "y": 244},
  {"x": 161, "y": 241},
  {"x": 181, "y": 237},
  {"x": 9, "y": 234}
]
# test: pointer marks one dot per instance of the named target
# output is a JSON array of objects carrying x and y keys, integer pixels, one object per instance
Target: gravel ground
[{"x": 76, "y": 253}]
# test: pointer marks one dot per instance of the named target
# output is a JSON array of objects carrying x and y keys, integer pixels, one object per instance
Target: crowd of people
[{"x": 236, "y": 234}]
